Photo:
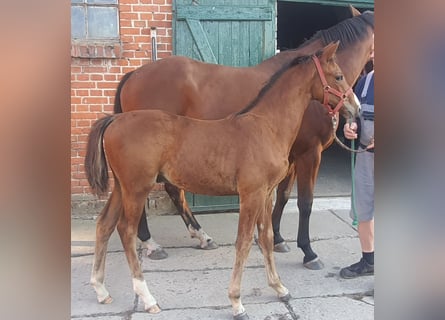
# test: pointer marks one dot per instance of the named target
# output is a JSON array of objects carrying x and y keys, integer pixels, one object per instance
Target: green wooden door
[
  {"x": 227, "y": 32},
  {"x": 355, "y": 3}
]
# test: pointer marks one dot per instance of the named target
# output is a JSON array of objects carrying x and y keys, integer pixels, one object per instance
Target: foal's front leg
[
  {"x": 251, "y": 207},
  {"x": 265, "y": 240},
  {"x": 246, "y": 226}
]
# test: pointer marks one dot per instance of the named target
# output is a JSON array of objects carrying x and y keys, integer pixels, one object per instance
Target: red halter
[{"x": 329, "y": 90}]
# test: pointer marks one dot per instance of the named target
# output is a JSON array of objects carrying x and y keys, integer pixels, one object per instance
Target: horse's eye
[{"x": 339, "y": 78}]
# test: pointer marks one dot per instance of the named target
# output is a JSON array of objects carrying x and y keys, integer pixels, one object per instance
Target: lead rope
[
  {"x": 334, "y": 129},
  {"x": 353, "y": 151},
  {"x": 354, "y": 210}
]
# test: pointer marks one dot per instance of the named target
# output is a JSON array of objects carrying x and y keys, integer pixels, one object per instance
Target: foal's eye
[{"x": 339, "y": 78}]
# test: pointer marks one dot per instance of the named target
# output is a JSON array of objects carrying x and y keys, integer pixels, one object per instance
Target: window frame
[
  {"x": 86, "y": 5},
  {"x": 105, "y": 47}
]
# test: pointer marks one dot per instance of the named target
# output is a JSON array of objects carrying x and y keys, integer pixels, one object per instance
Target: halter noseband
[{"x": 329, "y": 90}]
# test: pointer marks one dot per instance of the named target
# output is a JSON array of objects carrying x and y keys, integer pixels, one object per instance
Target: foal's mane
[{"x": 269, "y": 84}]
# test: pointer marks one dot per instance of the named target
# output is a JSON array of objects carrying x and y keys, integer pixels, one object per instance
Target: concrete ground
[{"x": 193, "y": 283}]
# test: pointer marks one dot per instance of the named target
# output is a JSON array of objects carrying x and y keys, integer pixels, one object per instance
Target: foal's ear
[
  {"x": 330, "y": 50},
  {"x": 354, "y": 11}
]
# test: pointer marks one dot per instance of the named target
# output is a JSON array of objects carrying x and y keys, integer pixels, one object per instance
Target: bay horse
[
  {"x": 206, "y": 91},
  {"x": 246, "y": 154}
]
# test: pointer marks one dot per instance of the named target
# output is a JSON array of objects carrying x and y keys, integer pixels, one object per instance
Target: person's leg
[
  {"x": 366, "y": 235},
  {"x": 364, "y": 201},
  {"x": 366, "y": 264}
]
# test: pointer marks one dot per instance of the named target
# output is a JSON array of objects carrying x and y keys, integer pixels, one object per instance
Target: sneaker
[{"x": 361, "y": 268}]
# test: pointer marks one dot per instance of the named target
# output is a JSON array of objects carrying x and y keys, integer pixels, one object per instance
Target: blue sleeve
[{"x": 359, "y": 86}]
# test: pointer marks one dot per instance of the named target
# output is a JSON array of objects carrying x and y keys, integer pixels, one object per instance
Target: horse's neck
[
  {"x": 283, "y": 106},
  {"x": 277, "y": 61},
  {"x": 352, "y": 60}
]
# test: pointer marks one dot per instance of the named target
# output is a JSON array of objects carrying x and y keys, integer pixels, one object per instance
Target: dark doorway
[{"x": 297, "y": 22}]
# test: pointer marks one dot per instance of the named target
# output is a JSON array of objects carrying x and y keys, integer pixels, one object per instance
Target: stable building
[{"x": 113, "y": 37}]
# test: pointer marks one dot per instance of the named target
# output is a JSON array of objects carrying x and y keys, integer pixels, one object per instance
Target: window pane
[
  {"x": 77, "y": 22},
  {"x": 102, "y": 1},
  {"x": 77, "y": 1},
  {"x": 102, "y": 23}
]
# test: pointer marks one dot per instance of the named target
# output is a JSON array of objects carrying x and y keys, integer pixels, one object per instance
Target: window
[{"x": 94, "y": 20}]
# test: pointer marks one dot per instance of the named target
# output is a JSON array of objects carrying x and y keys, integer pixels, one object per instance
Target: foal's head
[{"x": 332, "y": 88}]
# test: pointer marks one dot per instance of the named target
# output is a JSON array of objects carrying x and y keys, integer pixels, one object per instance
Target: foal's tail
[
  {"x": 117, "y": 97},
  {"x": 95, "y": 161}
]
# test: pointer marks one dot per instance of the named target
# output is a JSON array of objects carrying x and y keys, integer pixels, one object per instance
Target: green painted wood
[
  {"x": 217, "y": 13},
  {"x": 200, "y": 39},
  {"x": 228, "y": 32},
  {"x": 355, "y": 3}
]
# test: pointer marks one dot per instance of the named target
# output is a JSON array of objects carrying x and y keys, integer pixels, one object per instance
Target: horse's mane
[
  {"x": 292, "y": 63},
  {"x": 348, "y": 31}
]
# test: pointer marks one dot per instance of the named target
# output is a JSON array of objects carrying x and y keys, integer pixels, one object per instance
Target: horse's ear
[
  {"x": 354, "y": 11},
  {"x": 330, "y": 50}
]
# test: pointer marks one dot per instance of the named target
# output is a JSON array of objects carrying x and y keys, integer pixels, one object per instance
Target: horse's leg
[
  {"x": 178, "y": 197},
  {"x": 133, "y": 202},
  {"x": 307, "y": 167},
  {"x": 106, "y": 223},
  {"x": 154, "y": 250},
  {"x": 283, "y": 193},
  {"x": 250, "y": 207},
  {"x": 265, "y": 241}
]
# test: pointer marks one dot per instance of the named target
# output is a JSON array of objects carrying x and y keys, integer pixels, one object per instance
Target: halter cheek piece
[{"x": 329, "y": 90}]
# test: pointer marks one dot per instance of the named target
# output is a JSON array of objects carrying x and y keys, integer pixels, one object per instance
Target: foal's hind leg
[
  {"x": 283, "y": 193},
  {"x": 307, "y": 171},
  {"x": 265, "y": 240},
  {"x": 127, "y": 228},
  {"x": 196, "y": 231},
  {"x": 106, "y": 223}
]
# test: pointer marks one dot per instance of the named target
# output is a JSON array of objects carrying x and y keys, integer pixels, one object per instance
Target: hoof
[
  {"x": 153, "y": 309},
  {"x": 285, "y": 298},
  {"x": 241, "y": 316},
  {"x": 158, "y": 254},
  {"x": 210, "y": 245},
  {"x": 281, "y": 247},
  {"x": 315, "y": 264},
  {"x": 107, "y": 300}
]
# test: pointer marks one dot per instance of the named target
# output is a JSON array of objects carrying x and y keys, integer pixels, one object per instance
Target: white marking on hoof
[
  {"x": 239, "y": 310},
  {"x": 107, "y": 300},
  {"x": 154, "y": 309},
  {"x": 200, "y": 234},
  {"x": 285, "y": 295},
  {"x": 103, "y": 296},
  {"x": 141, "y": 288},
  {"x": 151, "y": 246}
]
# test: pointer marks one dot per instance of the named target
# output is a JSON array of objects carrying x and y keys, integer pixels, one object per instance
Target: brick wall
[{"x": 96, "y": 69}]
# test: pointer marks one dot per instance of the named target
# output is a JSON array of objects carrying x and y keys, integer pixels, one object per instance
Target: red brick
[{"x": 95, "y": 78}]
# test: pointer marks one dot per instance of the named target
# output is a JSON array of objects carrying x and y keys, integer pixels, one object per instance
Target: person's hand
[
  {"x": 350, "y": 130},
  {"x": 371, "y": 145}
]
